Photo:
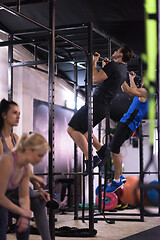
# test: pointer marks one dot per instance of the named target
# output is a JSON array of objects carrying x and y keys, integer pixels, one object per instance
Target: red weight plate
[{"x": 111, "y": 200}]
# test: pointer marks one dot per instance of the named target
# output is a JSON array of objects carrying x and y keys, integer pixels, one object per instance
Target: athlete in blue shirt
[{"x": 126, "y": 127}]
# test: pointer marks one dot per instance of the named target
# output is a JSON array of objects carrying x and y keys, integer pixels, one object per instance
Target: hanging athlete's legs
[
  {"x": 117, "y": 163},
  {"x": 82, "y": 143},
  {"x": 79, "y": 139},
  {"x": 96, "y": 143},
  {"x": 103, "y": 152},
  {"x": 121, "y": 134},
  {"x": 118, "y": 180}
]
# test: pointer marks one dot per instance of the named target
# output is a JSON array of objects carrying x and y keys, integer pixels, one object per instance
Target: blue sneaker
[
  {"x": 114, "y": 186},
  {"x": 122, "y": 178},
  {"x": 96, "y": 161}
]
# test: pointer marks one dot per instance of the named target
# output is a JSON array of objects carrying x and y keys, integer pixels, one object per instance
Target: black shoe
[
  {"x": 96, "y": 162},
  {"x": 53, "y": 204},
  {"x": 103, "y": 154}
]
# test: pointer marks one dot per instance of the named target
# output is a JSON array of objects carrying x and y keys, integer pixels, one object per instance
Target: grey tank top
[{"x": 5, "y": 147}]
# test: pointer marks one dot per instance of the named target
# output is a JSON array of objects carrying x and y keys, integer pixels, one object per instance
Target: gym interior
[{"x": 46, "y": 50}]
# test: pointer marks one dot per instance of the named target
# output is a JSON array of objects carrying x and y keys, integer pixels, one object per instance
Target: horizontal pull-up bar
[{"x": 72, "y": 43}]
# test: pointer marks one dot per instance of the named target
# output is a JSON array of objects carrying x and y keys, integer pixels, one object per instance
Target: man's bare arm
[{"x": 98, "y": 76}]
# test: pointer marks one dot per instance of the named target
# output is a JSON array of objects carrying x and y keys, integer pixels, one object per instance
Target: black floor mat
[
  {"x": 153, "y": 233},
  {"x": 74, "y": 232}
]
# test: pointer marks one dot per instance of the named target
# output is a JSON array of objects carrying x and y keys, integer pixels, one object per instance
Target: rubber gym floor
[{"x": 117, "y": 231}]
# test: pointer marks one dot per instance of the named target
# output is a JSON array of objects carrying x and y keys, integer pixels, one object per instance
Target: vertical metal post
[
  {"x": 90, "y": 127},
  {"x": 100, "y": 175},
  {"x": 107, "y": 121},
  {"x": 83, "y": 194},
  {"x": 10, "y": 69},
  {"x": 83, "y": 182},
  {"x": 35, "y": 55},
  {"x": 108, "y": 117},
  {"x": 109, "y": 48},
  {"x": 18, "y": 5},
  {"x": 51, "y": 62},
  {"x": 140, "y": 70},
  {"x": 141, "y": 172},
  {"x": 75, "y": 148}
]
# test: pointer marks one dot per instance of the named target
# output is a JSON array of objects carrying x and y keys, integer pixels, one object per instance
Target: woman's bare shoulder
[{"x": 16, "y": 137}]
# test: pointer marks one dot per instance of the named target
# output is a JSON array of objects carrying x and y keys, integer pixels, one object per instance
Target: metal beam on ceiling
[{"x": 18, "y": 14}]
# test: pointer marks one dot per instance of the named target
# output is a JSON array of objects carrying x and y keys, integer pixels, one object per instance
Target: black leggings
[{"x": 121, "y": 134}]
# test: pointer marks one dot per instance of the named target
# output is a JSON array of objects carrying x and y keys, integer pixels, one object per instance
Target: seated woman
[
  {"x": 9, "y": 117},
  {"x": 15, "y": 172}
]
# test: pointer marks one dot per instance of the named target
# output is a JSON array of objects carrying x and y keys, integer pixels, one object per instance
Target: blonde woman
[
  {"x": 9, "y": 117},
  {"x": 15, "y": 172}
]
